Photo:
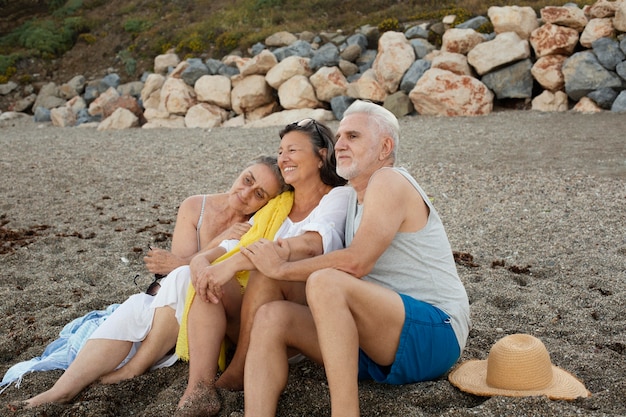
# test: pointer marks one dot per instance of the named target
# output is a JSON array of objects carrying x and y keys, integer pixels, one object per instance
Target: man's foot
[
  {"x": 230, "y": 381},
  {"x": 202, "y": 401}
]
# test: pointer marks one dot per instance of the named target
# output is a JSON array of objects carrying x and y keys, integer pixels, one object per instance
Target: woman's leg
[
  {"x": 96, "y": 358},
  {"x": 260, "y": 290},
  {"x": 160, "y": 340},
  {"x": 207, "y": 326}
]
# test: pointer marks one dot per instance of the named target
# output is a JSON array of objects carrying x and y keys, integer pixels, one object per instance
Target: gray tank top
[{"x": 420, "y": 264}]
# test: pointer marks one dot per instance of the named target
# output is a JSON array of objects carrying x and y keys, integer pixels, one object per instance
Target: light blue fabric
[{"x": 61, "y": 352}]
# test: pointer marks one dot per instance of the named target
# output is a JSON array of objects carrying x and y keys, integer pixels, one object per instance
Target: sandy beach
[{"x": 533, "y": 204}]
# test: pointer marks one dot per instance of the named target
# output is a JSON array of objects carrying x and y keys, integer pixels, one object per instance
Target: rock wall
[{"x": 567, "y": 58}]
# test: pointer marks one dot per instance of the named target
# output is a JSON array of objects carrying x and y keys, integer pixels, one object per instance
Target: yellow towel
[{"x": 267, "y": 221}]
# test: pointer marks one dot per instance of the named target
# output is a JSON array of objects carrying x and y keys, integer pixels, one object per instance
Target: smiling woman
[{"x": 313, "y": 225}]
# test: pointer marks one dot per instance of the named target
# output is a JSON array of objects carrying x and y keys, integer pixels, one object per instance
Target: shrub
[
  {"x": 227, "y": 41},
  {"x": 389, "y": 24},
  {"x": 136, "y": 26}
]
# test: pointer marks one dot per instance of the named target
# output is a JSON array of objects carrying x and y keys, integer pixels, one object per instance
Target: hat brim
[{"x": 471, "y": 376}]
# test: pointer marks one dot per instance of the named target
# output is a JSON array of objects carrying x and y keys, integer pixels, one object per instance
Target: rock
[
  {"x": 260, "y": 64},
  {"x": 455, "y": 62},
  {"x": 513, "y": 81},
  {"x": 413, "y": 74},
  {"x": 7, "y": 88},
  {"x": 214, "y": 89},
  {"x": 521, "y": 20},
  {"x": 395, "y": 56},
  {"x": 608, "y": 53},
  {"x": 568, "y": 16},
  {"x": 249, "y": 93},
  {"x": 547, "y": 71},
  {"x": 460, "y": 41},
  {"x": 163, "y": 63},
  {"x": 176, "y": 96},
  {"x": 421, "y": 47},
  {"x": 103, "y": 100},
  {"x": 367, "y": 87},
  {"x": 297, "y": 93},
  {"x": 583, "y": 73},
  {"x": 552, "y": 39},
  {"x": 603, "y": 97},
  {"x": 120, "y": 119},
  {"x": 596, "y": 29},
  {"x": 205, "y": 116},
  {"x": 444, "y": 93},
  {"x": 550, "y": 102},
  {"x": 505, "y": 48},
  {"x": 279, "y": 39},
  {"x": 62, "y": 117},
  {"x": 619, "y": 105},
  {"x": 340, "y": 104},
  {"x": 194, "y": 70},
  {"x": 399, "y": 104},
  {"x": 473, "y": 23},
  {"x": 329, "y": 82},
  {"x": 326, "y": 56},
  {"x": 586, "y": 105},
  {"x": 287, "y": 68}
]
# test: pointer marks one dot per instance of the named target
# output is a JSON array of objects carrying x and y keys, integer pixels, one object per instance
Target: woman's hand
[
  {"x": 268, "y": 256},
  {"x": 161, "y": 261},
  {"x": 208, "y": 281}
]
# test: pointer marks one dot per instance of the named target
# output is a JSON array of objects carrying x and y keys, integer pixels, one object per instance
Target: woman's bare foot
[
  {"x": 230, "y": 380},
  {"x": 202, "y": 401},
  {"x": 16, "y": 406}
]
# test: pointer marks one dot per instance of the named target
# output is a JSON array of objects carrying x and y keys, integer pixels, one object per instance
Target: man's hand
[{"x": 268, "y": 256}]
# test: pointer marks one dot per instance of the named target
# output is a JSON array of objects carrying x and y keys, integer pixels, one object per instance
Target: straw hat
[{"x": 518, "y": 365}]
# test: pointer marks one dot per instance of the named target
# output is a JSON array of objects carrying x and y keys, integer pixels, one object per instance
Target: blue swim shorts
[{"x": 428, "y": 347}]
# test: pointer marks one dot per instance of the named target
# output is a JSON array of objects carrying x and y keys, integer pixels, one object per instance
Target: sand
[{"x": 532, "y": 203}]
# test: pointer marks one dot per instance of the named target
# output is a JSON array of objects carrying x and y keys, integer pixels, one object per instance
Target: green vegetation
[{"x": 212, "y": 27}]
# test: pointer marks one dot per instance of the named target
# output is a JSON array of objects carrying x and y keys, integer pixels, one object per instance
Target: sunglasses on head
[
  {"x": 154, "y": 286},
  {"x": 305, "y": 123}
]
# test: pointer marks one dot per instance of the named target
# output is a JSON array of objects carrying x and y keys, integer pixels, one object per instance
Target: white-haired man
[{"x": 388, "y": 307}]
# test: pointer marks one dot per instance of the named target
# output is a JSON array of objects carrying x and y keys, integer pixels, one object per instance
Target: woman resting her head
[
  {"x": 141, "y": 333},
  {"x": 204, "y": 220},
  {"x": 310, "y": 222}
]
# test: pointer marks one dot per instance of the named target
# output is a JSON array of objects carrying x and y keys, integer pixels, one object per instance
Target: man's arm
[{"x": 387, "y": 201}]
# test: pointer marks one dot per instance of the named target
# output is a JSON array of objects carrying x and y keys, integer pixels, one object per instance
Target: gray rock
[
  {"x": 339, "y": 105},
  {"x": 358, "y": 39},
  {"x": 413, "y": 74},
  {"x": 513, "y": 81},
  {"x": 228, "y": 71},
  {"x": 91, "y": 93},
  {"x": 416, "y": 32},
  {"x": 326, "y": 56},
  {"x": 257, "y": 48},
  {"x": 83, "y": 116},
  {"x": 603, "y": 97},
  {"x": 621, "y": 70},
  {"x": 194, "y": 70},
  {"x": 473, "y": 23},
  {"x": 42, "y": 114},
  {"x": 7, "y": 88},
  {"x": 421, "y": 47},
  {"x": 298, "y": 48},
  {"x": 583, "y": 74},
  {"x": 213, "y": 65},
  {"x": 132, "y": 88},
  {"x": 619, "y": 105},
  {"x": 366, "y": 60},
  {"x": 608, "y": 52},
  {"x": 622, "y": 45},
  {"x": 399, "y": 104},
  {"x": 110, "y": 80}
]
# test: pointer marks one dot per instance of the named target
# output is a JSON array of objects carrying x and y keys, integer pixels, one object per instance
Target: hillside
[{"x": 53, "y": 40}]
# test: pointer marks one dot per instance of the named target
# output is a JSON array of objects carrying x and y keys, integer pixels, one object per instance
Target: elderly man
[{"x": 388, "y": 307}]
